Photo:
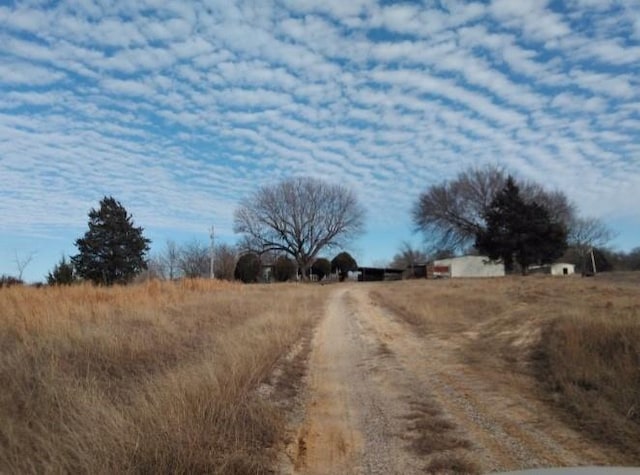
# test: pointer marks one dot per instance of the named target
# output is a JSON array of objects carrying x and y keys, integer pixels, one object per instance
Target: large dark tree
[
  {"x": 299, "y": 217},
  {"x": 520, "y": 232},
  {"x": 450, "y": 214},
  {"x": 343, "y": 263},
  {"x": 113, "y": 250}
]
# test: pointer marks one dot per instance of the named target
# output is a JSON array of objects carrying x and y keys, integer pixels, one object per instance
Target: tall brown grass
[
  {"x": 152, "y": 378},
  {"x": 591, "y": 360},
  {"x": 579, "y": 338}
]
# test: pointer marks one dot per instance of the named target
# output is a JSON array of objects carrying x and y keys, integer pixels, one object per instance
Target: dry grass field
[
  {"x": 443, "y": 376},
  {"x": 151, "y": 378},
  {"x": 571, "y": 342}
]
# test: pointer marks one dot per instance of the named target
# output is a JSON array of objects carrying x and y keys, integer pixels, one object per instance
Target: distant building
[
  {"x": 557, "y": 268},
  {"x": 563, "y": 268},
  {"x": 467, "y": 266},
  {"x": 372, "y": 274}
]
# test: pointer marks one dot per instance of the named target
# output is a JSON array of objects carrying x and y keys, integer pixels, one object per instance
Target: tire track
[
  {"x": 381, "y": 399},
  {"x": 510, "y": 430}
]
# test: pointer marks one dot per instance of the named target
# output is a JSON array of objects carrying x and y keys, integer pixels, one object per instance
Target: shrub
[
  {"x": 284, "y": 269},
  {"x": 8, "y": 281},
  {"x": 248, "y": 268},
  {"x": 62, "y": 273}
]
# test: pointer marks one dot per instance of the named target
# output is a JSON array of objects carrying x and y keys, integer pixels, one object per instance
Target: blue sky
[{"x": 180, "y": 109}]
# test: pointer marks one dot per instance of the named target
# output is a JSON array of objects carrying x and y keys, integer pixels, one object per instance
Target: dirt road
[{"x": 381, "y": 399}]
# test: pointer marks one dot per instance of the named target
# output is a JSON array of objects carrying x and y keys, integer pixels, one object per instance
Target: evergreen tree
[
  {"x": 113, "y": 250},
  {"x": 520, "y": 232},
  {"x": 62, "y": 273}
]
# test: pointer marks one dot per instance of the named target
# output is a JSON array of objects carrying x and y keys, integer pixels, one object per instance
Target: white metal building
[
  {"x": 562, "y": 268},
  {"x": 471, "y": 266}
]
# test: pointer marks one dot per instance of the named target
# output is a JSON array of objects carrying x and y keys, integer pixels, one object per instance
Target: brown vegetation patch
[
  {"x": 383, "y": 349},
  {"x": 435, "y": 436},
  {"x": 157, "y": 377},
  {"x": 590, "y": 365}
]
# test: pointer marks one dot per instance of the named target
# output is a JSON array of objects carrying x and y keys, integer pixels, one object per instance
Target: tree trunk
[{"x": 304, "y": 268}]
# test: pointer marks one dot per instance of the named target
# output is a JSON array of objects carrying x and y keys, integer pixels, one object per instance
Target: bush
[
  {"x": 248, "y": 268},
  {"x": 343, "y": 263},
  {"x": 321, "y": 267},
  {"x": 8, "y": 281},
  {"x": 284, "y": 269},
  {"x": 62, "y": 273}
]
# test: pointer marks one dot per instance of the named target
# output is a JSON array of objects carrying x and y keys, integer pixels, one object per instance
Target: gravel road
[{"x": 381, "y": 399}]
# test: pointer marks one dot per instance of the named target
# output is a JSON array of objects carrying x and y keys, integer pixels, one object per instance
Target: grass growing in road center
[{"x": 579, "y": 338}]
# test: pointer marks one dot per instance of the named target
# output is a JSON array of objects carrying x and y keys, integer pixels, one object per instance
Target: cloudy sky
[{"x": 179, "y": 109}]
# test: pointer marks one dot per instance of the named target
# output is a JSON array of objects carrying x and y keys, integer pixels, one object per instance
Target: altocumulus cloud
[{"x": 180, "y": 109}]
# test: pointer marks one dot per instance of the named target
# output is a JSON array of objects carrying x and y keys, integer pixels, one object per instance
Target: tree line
[
  {"x": 286, "y": 226},
  {"x": 518, "y": 222}
]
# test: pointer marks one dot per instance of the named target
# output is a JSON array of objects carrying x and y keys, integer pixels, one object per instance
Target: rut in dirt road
[
  {"x": 362, "y": 414},
  {"x": 383, "y": 400}
]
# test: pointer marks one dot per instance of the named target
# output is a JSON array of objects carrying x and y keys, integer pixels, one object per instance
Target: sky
[{"x": 180, "y": 109}]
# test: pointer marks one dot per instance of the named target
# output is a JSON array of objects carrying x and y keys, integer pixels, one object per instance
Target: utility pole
[
  {"x": 593, "y": 262},
  {"x": 211, "y": 275}
]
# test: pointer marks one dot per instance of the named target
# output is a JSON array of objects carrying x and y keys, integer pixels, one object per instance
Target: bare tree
[
  {"x": 300, "y": 217},
  {"x": 171, "y": 259},
  {"x": 451, "y": 214},
  {"x": 225, "y": 260},
  {"x": 23, "y": 262},
  {"x": 193, "y": 260},
  {"x": 560, "y": 209},
  {"x": 586, "y": 234},
  {"x": 155, "y": 268},
  {"x": 407, "y": 257}
]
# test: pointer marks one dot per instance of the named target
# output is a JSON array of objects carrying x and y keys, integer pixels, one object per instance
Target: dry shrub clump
[
  {"x": 435, "y": 437},
  {"x": 579, "y": 338},
  {"x": 157, "y": 377},
  {"x": 591, "y": 361}
]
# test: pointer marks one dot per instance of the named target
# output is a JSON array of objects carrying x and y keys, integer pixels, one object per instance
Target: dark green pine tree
[
  {"x": 520, "y": 232},
  {"x": 62, "y": 273},
  {"x": 113, "y": 250}
]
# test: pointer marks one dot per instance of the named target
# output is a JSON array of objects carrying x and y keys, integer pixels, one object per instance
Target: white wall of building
[
  {"x": 559, "y": 268},
  {"x": 472, "y": 266}
]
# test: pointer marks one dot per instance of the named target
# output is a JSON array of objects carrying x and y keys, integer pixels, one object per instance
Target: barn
[{"x": 469, "y": 266}]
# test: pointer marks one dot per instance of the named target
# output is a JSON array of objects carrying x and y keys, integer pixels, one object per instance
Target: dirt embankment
[{"x": 381, "y": 398}]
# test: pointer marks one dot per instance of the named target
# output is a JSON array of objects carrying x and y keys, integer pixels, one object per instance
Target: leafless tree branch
[{"x": 299, "y": 217}]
